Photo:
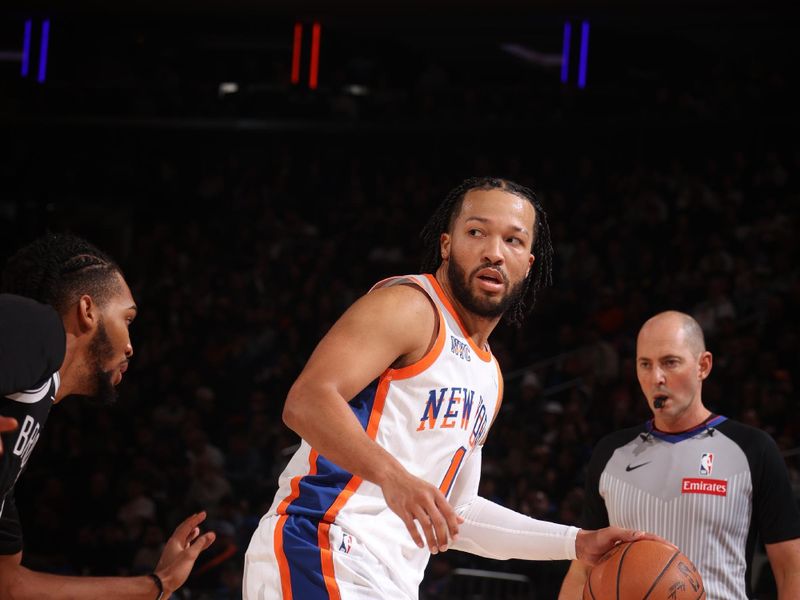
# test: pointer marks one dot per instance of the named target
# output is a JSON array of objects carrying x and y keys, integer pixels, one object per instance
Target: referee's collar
[{"x": 673, "y": 438}]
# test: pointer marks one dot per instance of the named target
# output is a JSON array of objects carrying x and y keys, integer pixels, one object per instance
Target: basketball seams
[
  {"x": 591, "y": 591},
  {"x": 660, "y": 575},
  {"x": 619, "y": 566}
]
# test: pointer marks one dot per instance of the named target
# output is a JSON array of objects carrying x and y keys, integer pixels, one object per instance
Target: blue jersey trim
[
  {"x": 304, "y": 556},
  {"x": 674, "y": 438},
  {"x": 319, "y": 492}
]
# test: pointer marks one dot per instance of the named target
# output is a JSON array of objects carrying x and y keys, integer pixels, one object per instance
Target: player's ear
[
  {"x": 444, "y": 246},
  {"x": 88, "y": 313}
]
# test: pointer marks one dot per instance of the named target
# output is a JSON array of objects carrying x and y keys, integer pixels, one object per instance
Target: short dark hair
[
  {"x": 58, "y": 268},
  {"x": 541, "y": 274}
]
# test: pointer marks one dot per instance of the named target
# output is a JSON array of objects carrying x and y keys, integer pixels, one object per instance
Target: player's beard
[
  {"x": 483, "y": 307},
  {"x": 101, "y": 352}
]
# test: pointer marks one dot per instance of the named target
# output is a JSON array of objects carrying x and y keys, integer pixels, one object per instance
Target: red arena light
[
  {"x": 298, "y": 40},
  {"x": 313, "y": 76}
]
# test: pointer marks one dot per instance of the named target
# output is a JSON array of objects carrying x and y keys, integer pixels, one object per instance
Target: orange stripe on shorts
[
  {"x": 283, "y": 564},
  {"x": 323, "y": 539}
]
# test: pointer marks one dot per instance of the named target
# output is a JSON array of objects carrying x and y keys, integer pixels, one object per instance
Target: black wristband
[{"x": 157, "y": 580}]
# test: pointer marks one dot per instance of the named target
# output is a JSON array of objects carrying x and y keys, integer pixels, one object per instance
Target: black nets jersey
[
  {"x": 709, "y": 491},
  {"x": 32, "y": 346}
]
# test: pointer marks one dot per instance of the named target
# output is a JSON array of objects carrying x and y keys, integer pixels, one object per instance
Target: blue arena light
[
  {"x": 43, "y": 51},
  {"x": 565, "y": 52},
  {"x": 584, "y": 54},
  {"x": 26, "y": 48}
]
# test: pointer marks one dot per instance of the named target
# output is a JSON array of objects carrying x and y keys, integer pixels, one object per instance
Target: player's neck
[{"x": 476, "y": 327}]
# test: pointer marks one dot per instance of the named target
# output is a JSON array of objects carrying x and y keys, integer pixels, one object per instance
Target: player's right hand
[
  {"x": 181, "y": 551},
  {"x": 6, "y": 424},
  {"x": 591, "y": 546},
  {"x": 415, "y": 500}
]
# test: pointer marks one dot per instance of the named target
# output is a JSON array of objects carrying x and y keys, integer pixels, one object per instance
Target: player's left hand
[
  {"x": 181, "y": 551},
  {"x": 590, "y": 546},
  {"x": 6, "y": 424}
]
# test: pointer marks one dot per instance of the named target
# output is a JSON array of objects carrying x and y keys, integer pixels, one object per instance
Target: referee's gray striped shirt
[{"x": 708, "y": 491}]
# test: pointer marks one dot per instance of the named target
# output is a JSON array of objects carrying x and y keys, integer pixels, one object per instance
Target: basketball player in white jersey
[{"x": 393, "y": 407}]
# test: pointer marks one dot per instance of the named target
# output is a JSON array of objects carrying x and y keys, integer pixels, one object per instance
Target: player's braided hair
[
  {"x": 441, "y": 221},
  {"x": 57, "y": 269}
]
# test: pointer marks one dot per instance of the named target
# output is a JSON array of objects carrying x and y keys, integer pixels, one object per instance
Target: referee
[
  {"x": 706, "y": 483},
  {"x": 64, "y": 330}
]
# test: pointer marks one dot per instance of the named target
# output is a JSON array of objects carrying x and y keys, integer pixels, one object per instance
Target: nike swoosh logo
[{"x": 630, "y": 468}]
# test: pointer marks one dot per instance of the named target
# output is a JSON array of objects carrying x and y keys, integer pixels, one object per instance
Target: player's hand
[
  {"x": 590, "y": 546},
  {"x": 6, "y": 424},
  {"x": 180, "y": 552},
  {"x": 414, "y": 499}
]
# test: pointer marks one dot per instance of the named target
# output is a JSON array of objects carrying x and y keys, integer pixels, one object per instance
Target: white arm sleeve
[{"x": 494, "y": 531}]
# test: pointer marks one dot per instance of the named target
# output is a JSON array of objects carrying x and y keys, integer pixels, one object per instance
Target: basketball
[{"x": 644, "y": 569}]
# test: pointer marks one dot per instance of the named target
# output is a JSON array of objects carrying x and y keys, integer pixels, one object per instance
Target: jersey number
[{"x": 452, "y": 471}]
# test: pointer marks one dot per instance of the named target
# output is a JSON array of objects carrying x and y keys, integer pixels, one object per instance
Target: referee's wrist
[{"x": 159, "y": 586}]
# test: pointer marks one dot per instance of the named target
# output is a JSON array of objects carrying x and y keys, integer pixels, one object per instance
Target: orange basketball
[{"x": 642, "y": 570}]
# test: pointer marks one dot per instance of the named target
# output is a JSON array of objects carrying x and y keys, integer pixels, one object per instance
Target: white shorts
[{"x": 292, "y": 557}]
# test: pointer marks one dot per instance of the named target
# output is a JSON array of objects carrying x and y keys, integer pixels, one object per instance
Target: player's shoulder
[
  {"x": 32, "y": 343},
  {"x": 22, "y": 308},
  {"x": 403, "y": 313},
  {"x": 402, "y": 297},
  {"x": 25, "y": 317}
]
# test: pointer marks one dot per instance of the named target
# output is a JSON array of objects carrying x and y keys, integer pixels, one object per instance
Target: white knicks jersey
[{"x": 429, "y": 415}]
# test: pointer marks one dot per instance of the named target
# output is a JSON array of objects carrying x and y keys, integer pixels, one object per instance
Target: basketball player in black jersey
[{"x": 64, "y": 321}]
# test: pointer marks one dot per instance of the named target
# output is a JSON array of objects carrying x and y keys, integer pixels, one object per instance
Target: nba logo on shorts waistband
[
  {"x": 347, "y": 543},
  {"x": 706, "y": 463}
]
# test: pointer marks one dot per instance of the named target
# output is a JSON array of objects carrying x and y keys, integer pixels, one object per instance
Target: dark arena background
[{"x": 256, "y": 167}]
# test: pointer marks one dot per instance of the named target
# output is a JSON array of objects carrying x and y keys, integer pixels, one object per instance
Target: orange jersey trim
[
  {"x": 295, "y": 483},
  {"x": 324, "y": 541},
  {"x": 484, "y": 355},
  {"x": 372, "y": 432},
  {"x": 500, "y": 390},
  {"x": 430, "y": 357},
  {"x": 283, "y": 564},
  {"x": 423, "y": 363}
]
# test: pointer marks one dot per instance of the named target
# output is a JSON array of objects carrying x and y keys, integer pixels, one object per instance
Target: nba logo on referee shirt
[{"x": 706, "y": 463}]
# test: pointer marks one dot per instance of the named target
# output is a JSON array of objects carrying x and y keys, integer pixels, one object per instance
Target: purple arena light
[
  {"x": 584, "y": 54},
  {"x": 26, "y": 48},
  {"x": 565, "y": 52},
  {"x": 43, "y": 51}
]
